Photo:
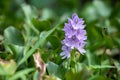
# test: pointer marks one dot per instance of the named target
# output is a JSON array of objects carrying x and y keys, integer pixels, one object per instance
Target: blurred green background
[{"x": 30, "y": 25}]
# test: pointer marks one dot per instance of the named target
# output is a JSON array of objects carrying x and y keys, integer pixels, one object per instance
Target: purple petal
[
  {"x": 81, "y": 50},
  {"x": 65, "y": 54}
]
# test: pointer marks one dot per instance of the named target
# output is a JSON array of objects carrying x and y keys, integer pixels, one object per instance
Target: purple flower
[
  {"x": 74, "y": 36},
  {"x": 66, "y": 52}
]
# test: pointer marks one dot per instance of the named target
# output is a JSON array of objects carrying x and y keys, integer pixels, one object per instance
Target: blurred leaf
[
  {"x": 89, "y": 12},
  {"x": 101, "y": 66},
  {"x": 109, "y": 41},
  {"x": 13, "y": 36},
  {"x": 99, "y": 78},
  {"x": 96, "y": 40},
  {"x": 21, "y": 74},
  {"x": 40, "y": 42},
  {"x": 7, "y": 67},
  {"x": 2, "y": 71},
  {"x": 30, "y": 13},
  {"x": 55, "y": 42},
  {"x": 55, "y": 70},
  {"x": 36, "y": 75},
  {"x": 52, "y": 68},
  {"x": 42, "y": 3},
  {"x": 48, "y": 14},
  {"x": 79, "y": 66},
  {"x": 16, "y": 50},
  {"x": 84, "y": 74},
  {"x": 117, "y": 64},
  {"x": 95, "y": 10},
  {"x": 45, "y": 34},
  {"x": 41, "y": 25},
  {"x": 89, "y": 58},
  {"x": 103, "y": 9},
  {"x": 52, "y": 78},
  {"x": 1, "y": 38},
  {"x": 117, "y": 41}
]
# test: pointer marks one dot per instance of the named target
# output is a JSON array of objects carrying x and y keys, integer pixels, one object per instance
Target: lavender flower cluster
[{"x": 75, "y": 36}]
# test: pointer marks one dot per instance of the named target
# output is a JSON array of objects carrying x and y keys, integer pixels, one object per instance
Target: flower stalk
[{"x": 72, "y": 61}]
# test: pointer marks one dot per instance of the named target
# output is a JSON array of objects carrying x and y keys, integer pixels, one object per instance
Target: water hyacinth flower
[{"x": 75, "y": 36}]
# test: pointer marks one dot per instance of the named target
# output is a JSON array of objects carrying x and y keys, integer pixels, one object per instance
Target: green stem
[{"x": 72, "y": 61}]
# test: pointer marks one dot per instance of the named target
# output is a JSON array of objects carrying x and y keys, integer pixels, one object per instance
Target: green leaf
[
  {"x": 55, "y": 42},
  {"x": 99, "y": 78},
  {"x": 42, "y": 3},
  {"x": 84, "y": 74},
  {"x": 45, "y": 34},
  {"x": 108, "y": 41},
  {"x": 101, "y": 66},
  {"x": 40, "y": 42},
  {"x": 30, "y": 13},
  {"x": 53, "y": 78},
  {"x": 36, "y": 75},
  {"x": 13, "y": 36},
  {"x": 16, "y": 50},
  {"x": 41, "y": 25},
  {"x": 94, "y": 11},
  {"x": 55, "y": 70},
  {"x": 7, "y": 67},
  {"x": 117, "y": 41},
  {"x": 52, "y": 68},
  {"x": 21, "y": 74},
  {"x": 48, "y": 13},
  {"x": 2, "y": 71},
  {"x": 89, "y": 12},
  {"x": 103, "y": 9}
]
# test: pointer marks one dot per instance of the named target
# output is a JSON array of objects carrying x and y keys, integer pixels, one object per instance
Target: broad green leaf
[
  {"x": 41, "y": 25},
  {"x": 7, "y": 67},
  {"x": 55, "y": 70},
  {"x": 13, "y": 36},
  {"x": 61, "y": 72},
  {"x": 36, "y": 75},
  {"x": 55, "y": 42},
  {"x": 52, "y": 68},
  {"x": 16, "y": 50}
]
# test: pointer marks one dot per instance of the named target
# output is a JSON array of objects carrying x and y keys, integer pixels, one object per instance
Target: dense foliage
[{"x": 36, "y": 26}]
